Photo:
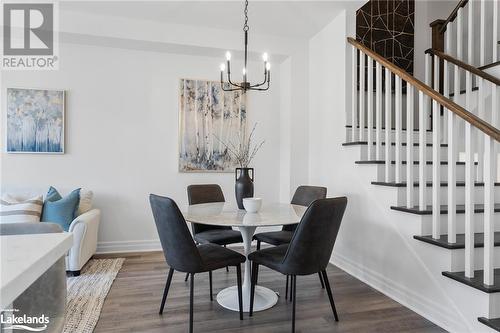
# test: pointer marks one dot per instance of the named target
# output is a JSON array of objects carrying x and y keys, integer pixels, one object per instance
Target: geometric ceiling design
[{"x": 387, "y": 27}]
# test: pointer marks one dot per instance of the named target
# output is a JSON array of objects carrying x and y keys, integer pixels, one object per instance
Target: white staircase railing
[{"x": 415, "y": 100}]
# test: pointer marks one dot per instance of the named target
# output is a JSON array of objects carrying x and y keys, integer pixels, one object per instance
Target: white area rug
[{"x": 86, "y": 294}]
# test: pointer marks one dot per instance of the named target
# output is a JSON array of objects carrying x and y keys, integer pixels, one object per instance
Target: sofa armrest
[{"x": 85, "y": 229}]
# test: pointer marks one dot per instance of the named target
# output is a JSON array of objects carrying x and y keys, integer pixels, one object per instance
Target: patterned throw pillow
[
  {"x": 85, "y": 204},
  {"x": 57, "y": 209},
  {"x": 14, "y": 211}
]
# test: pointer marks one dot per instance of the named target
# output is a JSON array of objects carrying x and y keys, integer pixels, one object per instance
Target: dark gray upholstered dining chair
[
  {"x": 309, "y": 250},
  {"x": 182, "y": 254},
  {"x": 204, "y": 234},
  {"x": 303, "y": 196}
]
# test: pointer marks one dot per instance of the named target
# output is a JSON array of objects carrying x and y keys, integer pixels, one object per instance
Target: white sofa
[{"x": 84, "y": 228}]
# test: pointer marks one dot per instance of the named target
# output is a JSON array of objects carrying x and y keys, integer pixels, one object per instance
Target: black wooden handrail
[
  {"x": 464, "y": 65},
  {"x": 453, "y": 15}
]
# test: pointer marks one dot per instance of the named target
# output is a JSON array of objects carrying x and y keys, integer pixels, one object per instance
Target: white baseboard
[
  {"x": 128, "y": 246},
  {"x": 428, "y": 309}
]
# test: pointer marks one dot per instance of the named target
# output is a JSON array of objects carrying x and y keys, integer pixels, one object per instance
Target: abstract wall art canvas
[
  {"x": 35, "y": 121},
  {"x": 208, "y": 117}
]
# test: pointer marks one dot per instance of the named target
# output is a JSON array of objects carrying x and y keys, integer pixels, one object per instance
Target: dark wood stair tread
[
  {"x": 460, "y": 209},
  {"x": 460, "y": 243},
  {"x": 477, "y": 280},
  {"x": 428, "y": 184},
  {"x": 404, "y": 162},
  {"x": 360, "y": 143},
  {"x": 493, "y": 323}
]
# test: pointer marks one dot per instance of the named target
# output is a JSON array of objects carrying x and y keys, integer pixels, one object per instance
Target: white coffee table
[{"x": 222, "y": 214}]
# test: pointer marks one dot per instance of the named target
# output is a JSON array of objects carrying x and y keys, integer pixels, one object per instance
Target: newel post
[{"x": 438, "y": 44}]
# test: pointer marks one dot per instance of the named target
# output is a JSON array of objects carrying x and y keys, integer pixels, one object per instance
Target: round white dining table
[{"x": 222, "y": 214}]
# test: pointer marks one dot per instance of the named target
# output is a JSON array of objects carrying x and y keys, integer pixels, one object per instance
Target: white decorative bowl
[{"x": 252, "y": 205}]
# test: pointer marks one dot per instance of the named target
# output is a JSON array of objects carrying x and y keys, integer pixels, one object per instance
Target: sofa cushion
[
  {"x": 18, "y": 211},
  {"x": 57, "y": 209},
  {"x": 85, "y": 201}
]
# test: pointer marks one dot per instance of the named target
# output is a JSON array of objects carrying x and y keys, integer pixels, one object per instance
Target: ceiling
[{"x": 293, "y": 19}]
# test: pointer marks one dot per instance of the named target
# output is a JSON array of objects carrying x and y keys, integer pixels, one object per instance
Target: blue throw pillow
[{"x": 57, "y": 209}]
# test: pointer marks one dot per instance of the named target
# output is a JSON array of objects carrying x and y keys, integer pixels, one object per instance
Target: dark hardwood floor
[{"x": 133, "y": 301}]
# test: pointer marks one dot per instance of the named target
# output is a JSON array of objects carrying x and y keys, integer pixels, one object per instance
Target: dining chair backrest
[
  {"x": 178, "y": 246},
  {"x": 303, "y": 196},
  {"x": 312, "y": 243},
  {"x": 205, "y": 193}
]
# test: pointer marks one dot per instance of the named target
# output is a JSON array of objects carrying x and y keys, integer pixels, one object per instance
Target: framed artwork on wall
[
  {"x": 35, "y": 121},
  {"x": 209, "y": 116}
]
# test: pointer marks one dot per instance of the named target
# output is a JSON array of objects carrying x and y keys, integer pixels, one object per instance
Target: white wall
[{"x": 122, "y": 135}]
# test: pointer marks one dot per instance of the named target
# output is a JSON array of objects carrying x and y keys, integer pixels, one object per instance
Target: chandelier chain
[{"x": 245, "y": 26}]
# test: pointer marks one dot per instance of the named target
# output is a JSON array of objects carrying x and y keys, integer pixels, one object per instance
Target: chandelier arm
[
  {"x": 262, "y": 89},
  {"x": 261, "y": 84},
  {"x": 231, "y": 82}
]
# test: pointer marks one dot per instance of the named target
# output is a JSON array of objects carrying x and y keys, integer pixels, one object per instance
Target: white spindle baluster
[
  {"x": 481, "y": 113},
  {"x": 489, "y": 201},
  {"x": 482, "y": 33},
  {"x": 354, "y": 113},
  {"x": 451, "y": 133},
  {"x": 370, "y": 108},
  {"x": 422, "y": 137},
  {"x": 436, "y": 159},
  {"x": 362, "y": 105},
  {"x": 495, "y": 31},
  {"x": 422, "y": 132},
  {"x": 388, "y": 126},
  {"x": 398, "y": 129},
  {"x": 470, "y": 34},
  {"x": 378, "y": 111},
  {"x": 409, "y": 146},
  {"x": 452, "y": 167},
  {"x": 469, "y": 184},
  {"x": 444, "y": 118},
  {"x": 460, "y": 50}
]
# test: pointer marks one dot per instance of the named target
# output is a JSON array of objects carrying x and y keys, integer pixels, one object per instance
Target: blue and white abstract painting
[
  {"x": 208, "y": 117},
  {"x": 35, "y": 121}
]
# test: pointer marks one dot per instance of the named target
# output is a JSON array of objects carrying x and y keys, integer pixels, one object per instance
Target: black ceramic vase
[{"x": 244, "y": 185}]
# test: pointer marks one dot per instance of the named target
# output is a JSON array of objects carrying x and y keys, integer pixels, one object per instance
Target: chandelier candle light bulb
[{"x": 245, "y": 85}]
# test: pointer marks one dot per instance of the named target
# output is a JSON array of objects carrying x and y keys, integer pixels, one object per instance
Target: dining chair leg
[
  {"x": 255, "y": 273},
  {"x": 167, "y": 287},
  {"x": 187, "y": 277},
  {"x": 258, "y": 245},
  {"x": 321, "y": 280},
  {"x": 291, "y": 287},
  {"x": 191, "y": 299},
  {"x": 329, "y": 291},
  {"x": 240, "y": 292},
  {"x": 210, "y": 280},
  {"x": 227, "y": 268},
  {"x": 294, "y": 288},
  {"x": 286, "y": 287}
]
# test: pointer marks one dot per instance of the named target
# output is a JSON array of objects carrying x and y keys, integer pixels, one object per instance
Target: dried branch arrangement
[{"x": 244, "y": 150}]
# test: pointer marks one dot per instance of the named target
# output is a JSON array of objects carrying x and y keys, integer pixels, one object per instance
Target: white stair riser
[
  {"x": 382, "y": 135},
  {"x": 459, "y": 192},
  {"x": 460, "y": 172},
  {"x": 428, "y": 153},
  {"x": 458, "y": 259},
  {"x": 460, "y": 223}
]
